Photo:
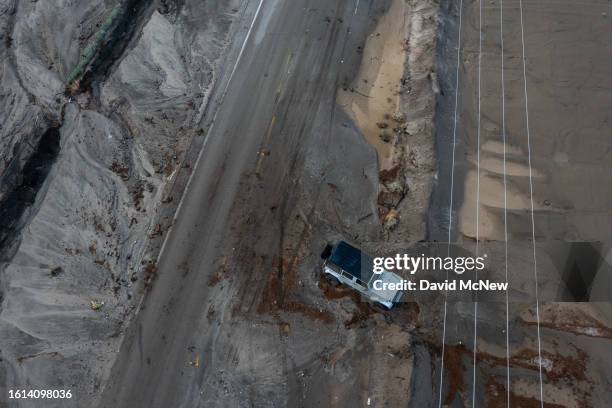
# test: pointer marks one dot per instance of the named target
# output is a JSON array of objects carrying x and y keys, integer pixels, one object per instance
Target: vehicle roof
[{"x": 352, "y": 260}]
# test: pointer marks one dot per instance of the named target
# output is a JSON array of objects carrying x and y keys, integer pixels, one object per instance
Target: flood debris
[
  {"x": 195, "y": 363},
  {"x": 150, "y": 271},
  {"x": 157, "y": 231},
  {"x": 398, "y": 117},
  {"x": 579, "y": 319},
  {"x": 58, "y": 270},
  {"x": 215, "y": 278},
  {"x": 391, "y": 220},
  {"x": 96, "y": 304},
  {"x": 121, "y": 171},
  {"x": 393, "y": 189}
]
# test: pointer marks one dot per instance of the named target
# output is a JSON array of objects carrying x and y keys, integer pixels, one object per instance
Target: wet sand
[
  {"x": 373, "y": 96},
  {"x": 568, "y": 89}
]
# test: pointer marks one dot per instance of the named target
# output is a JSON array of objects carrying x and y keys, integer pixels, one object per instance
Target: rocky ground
[{"x": 84, "y": 172}]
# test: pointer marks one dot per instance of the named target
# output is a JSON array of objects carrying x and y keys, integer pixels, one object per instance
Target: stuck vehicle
[{"x": 350, "y": 266}]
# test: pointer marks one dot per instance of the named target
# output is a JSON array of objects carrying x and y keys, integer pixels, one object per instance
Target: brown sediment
[
  {"x": 497, "y": 397},
  {"x": 338, "y": 292},
  {"x": 571, "y": 318},
  {"x": 389, "y": 175},
  {"x": 561, "y": 368},
  {"x": 557, "y": 368},
  {"x": 363, "y": 312},
  {"x": 281, "y": 292},
  {"x": 150, "y": 272},
  {"x": 120, "y": 170},
  {"x": 454, "y": 364},
  {"x": 406, "y": 315},
  {"x": 599, "y": 330},
  {"x": 360, "y": 317}
]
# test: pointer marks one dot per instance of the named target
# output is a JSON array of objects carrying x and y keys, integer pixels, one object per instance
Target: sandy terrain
[
  {"x": 374, "y": 95},
  {"x": 72, "y": 255},
  {"x": 392, "y": 99},
  {"x": 569, "y": 125}
]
